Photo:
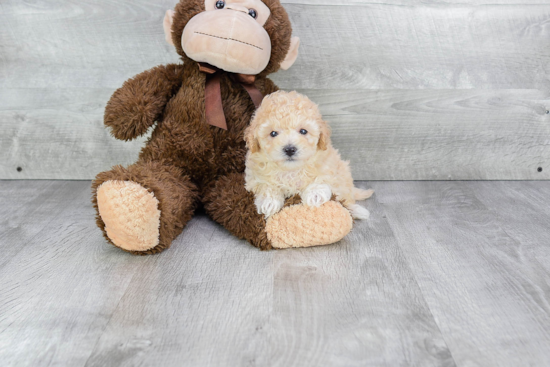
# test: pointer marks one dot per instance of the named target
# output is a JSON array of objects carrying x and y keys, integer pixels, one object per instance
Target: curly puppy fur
[
  {"x": 291, "y": 153},
  {"x": 187, "y": 161}
]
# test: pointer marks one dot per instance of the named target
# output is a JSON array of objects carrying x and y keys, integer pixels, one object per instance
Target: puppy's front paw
[
  {"x": 268, "y": 205},
  {"x": 316, "y": 194}
]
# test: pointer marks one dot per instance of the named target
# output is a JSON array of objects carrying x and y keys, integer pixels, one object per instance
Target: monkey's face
[
  {"x": 230, "y": 36},
  {"x": 238, "y": 36}
]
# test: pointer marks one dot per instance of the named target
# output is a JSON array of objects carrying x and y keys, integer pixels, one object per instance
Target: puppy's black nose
[{"x": 290, "y": 150}]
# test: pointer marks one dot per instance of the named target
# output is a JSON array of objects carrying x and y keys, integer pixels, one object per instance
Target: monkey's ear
[
  {"x": 292, "y": 53},
  {"x": 167, "y": 25}
]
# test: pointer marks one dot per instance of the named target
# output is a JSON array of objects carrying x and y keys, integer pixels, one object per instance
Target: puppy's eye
[
  {"x": 274, "y": 134},
  {"x": 303, "y": 131},
  {"x": 220, "y": 4},
  {"x": 252, "y": 13}
]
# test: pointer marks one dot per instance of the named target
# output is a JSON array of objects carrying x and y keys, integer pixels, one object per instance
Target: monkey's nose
[{"x": 290, "y": 150}]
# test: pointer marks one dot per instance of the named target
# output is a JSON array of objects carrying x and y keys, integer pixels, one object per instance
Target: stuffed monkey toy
[{"x": 196, "y": 152}]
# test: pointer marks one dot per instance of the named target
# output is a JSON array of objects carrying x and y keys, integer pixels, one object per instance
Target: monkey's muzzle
[{"x": 230, "y": 40}]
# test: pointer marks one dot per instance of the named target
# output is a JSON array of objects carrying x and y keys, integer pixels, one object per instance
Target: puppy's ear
[
  {"x": 251, "y": 142},
  {"x": 324, "y": 137}
]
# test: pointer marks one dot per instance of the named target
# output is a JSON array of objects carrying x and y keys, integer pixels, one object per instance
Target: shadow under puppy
[{"x": 290, "y": 153}]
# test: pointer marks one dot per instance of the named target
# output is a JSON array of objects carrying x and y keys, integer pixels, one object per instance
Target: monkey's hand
[{"x": 140, "y": 102}]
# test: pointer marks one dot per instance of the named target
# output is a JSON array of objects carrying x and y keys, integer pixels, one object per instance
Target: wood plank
[
  {"x": 355, "y": 303},
  {"x": 378, "y": 46},
  {"x": 521, "y": 209},
  {"x": 386, "y": 134},
  {"x": 489, "y": 296},
  {"x": 58, "y": 74},
  {"x": 97, "y": 44},
  {"x": 81, "y": 44},
  {"x": 442, "y": 272},
  {"x": 20, "y": 204},
  {"x": 440, "y": 135},
  {"x": 51, "y": 107},
  {"x": 61, "y": 136},
  {"x": 216, "y": 301},
  {"x": 17, "y": 200},
  {"x": 455, "y": 3},
  {"x": 59, "y": 290},
  {"x": 202, "y": 303},
  {"x": 29, "y": 207}
]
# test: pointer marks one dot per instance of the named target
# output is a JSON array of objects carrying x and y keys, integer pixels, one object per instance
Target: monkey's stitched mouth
[{"x": 229, "y": 39}]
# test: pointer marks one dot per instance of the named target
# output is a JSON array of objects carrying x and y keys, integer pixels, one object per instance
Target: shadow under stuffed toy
[{"x": 196, "y": 153}]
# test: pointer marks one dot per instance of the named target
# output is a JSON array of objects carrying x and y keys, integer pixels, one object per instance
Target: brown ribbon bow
[{"x": 213, "y": 96}]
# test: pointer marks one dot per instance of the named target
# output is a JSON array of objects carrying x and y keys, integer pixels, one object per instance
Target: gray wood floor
[{"x": 443, "y": 274}]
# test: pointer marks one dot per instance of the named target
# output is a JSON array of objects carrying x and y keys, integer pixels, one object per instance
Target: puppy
[{"x": 290, "y": 153}]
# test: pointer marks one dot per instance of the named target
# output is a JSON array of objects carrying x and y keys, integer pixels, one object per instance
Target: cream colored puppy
[{"x": 290, "y": 153}]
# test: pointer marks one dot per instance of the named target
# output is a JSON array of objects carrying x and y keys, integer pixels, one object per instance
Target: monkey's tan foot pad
[
  {"x": 304, "y": 226},
  {"x": 130, "y": 214}
]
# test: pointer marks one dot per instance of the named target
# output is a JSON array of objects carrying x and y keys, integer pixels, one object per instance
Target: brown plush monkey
[{"x": 187, "y": 161}]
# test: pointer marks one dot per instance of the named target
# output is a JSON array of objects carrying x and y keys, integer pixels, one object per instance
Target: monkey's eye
[
  {"x": 220, "y": 4},
  {"x": 252, "y": 13},
  {"x": 274, "y": 134},
  {"x": 303, "y": 131}
]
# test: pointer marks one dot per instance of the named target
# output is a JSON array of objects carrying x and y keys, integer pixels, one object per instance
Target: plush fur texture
[
  {"x": 277, "y": 26},
  {"x": 293, "y": 225},
  {"x": 140, "y": 102},
  {"x": 186, "y": 161},
  {"x": 291, "y": 153},
  {"x": 177, "y": 198},
  {"x": 130, "y": 214},
  {"x": 206, "y": 37}
]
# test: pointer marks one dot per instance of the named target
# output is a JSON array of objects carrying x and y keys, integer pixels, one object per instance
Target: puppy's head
[{"x": 288, "y": 129}]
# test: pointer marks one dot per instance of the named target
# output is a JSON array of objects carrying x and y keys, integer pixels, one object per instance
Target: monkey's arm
[{"x": 140, "y": 102}]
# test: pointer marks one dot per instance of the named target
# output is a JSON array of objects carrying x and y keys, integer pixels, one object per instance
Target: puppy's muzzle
[{"x": 290, "y": 150}]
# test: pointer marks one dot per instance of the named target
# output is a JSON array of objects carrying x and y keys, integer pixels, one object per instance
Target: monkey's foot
[
  {"x": 130, "y": 214},
  {"x": 305, "y": 226}
]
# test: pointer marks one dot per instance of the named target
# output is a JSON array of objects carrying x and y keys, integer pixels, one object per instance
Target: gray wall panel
[{"x": 414, "y": 89}]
